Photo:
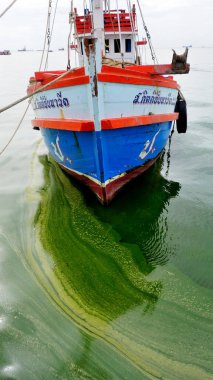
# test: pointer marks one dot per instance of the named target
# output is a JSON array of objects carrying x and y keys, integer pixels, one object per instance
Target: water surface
[{"x": 124, "y": 292}]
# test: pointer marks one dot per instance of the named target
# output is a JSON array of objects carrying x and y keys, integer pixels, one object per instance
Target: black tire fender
[{"x": 181, "y": 122}]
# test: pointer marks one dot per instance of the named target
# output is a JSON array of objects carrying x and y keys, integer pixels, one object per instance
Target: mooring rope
[
  {"x": 24, "y": 98},
  {"x": 49, "y": 34},
  {"x": 46, "y": 32},
  {"x": 34, "y": 92},
  {"x": 7, "y": 9},
  {"x": 16, "y": 130},
  {"x": 42, "y": 87},
  {"x": 154, "y": 57}
]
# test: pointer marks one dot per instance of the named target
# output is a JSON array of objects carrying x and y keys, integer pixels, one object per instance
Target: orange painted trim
[
  {"x": 132, "y": 121},
  {"x": 61, "y": 83},
  {"x": 43, "y": 75},
  {"x": 66, "y": 82},
  {"x": 75, "y": 125},
  {"x": 142, "y": 80},
  {"x": 73, "y": 78},
  {"x": 163, "y": 69},
  {"x": 137, "y": 71},
  {"x": 78, "y": 125},
  {"x": 150, "y": 72}
]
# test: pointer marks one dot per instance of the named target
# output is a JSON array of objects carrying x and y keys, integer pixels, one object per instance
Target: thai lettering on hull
[
  {"x": 43, "y": 102},
  {"x": 154, "y": 98}
]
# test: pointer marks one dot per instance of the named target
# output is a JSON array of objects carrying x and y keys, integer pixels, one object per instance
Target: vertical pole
[
  {"x": 98, "y": 32},
  {"x": 93, "y": 62},
  {"x": 93, "y": 47},
  {"x": 98, "y": 18},
  {"x": 119, "y": 29}
]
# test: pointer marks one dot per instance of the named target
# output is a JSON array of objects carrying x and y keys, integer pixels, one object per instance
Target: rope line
[
  {"x": 46, "y": 31},
  {"x": 34, "y": 92},
  {"x": 16, "y": 130},
  {"x": 21, "y": 100},
  {"x": 41, "y": 88},
  {"x": 7, "y": 9},
  {"x": 154, "y": 57},
  {"x": 51, "y": 33},
  {"x": 69, "y": 36}
]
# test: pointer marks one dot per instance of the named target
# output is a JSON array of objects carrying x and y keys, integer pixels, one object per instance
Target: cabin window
[
  {"x": 117, "y": 45},
  {"x": 107, "y": 46},
  {"x": 128, "y": 45}
]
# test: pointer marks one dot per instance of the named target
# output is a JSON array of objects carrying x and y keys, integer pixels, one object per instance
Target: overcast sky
[{"x": 171, "y": 23}]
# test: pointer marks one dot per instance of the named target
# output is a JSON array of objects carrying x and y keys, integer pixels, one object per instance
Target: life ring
[{"x": 181, "y": 108}]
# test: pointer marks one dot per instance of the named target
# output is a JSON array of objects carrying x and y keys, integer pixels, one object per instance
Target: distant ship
[
  {"x": 61, "y": 49},
  {"x": 24, "y": 49},
  {"x": 5, "y": 52}
]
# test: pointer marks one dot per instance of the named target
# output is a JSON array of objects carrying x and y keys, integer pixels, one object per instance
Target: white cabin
[{"x": 119, "y": 33}]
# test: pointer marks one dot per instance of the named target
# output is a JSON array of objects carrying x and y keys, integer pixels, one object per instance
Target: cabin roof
[{"x": 111, "y": 22}]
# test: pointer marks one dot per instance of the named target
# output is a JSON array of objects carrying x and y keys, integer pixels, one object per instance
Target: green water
[{"x": 124, "y": 292}]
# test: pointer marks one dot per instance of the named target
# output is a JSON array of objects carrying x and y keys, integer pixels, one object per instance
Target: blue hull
[{"x": 106, "y": 156}]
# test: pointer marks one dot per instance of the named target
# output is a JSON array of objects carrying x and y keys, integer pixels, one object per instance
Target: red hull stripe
[
  {"x": 65, "y": 124},
  {"x": 88, "y": 125},
  {"x": 143, "y": 75},
  {"x": 106, "y": 192},
  {"x": 115, "y": 186},
  {"x": 164, "y": 69},
  {"x": 61, "y": 83},
  {"x": 43, "y": 75},
  {"x": 139, "y": 71},
  {"x": 133, "y": 121},
  {"x": 73, "y": 78}
]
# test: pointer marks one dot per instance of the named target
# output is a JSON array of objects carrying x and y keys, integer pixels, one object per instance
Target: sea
[{"x": 106, "y": 293}]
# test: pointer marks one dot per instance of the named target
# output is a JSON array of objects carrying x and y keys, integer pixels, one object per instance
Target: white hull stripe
[{"x": 101, "y": 184}]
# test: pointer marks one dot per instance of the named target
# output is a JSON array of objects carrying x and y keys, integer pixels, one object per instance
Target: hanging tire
[{"x": 181, "y": 122}]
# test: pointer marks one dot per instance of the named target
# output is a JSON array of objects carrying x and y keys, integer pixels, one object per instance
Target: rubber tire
[{"x": 181, "y": 122}]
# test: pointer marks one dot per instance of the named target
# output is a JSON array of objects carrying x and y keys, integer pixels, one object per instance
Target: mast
[
  {"x": 98, "y": 22},
  {"x": 93, "y": 50}
]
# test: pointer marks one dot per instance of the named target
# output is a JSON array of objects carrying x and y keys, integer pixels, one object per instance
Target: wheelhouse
[{"x": 120, "y": 34}]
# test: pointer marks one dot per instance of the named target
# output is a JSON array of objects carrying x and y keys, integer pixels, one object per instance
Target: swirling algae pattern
[
  {"x": 104, "y": 286},
  {"x": 92, "y": 278}
]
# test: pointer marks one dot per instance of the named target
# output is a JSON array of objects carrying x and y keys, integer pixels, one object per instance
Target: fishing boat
[
  {"x": 5, "y": 52},
  {"x": 23, "y": 50},
  {"x": 108, "y": 120}
]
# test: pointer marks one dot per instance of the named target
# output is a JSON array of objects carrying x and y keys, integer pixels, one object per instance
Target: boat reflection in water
[
  {"x": 140, "y": 216},
  {"x": 94, "y": 262}
]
